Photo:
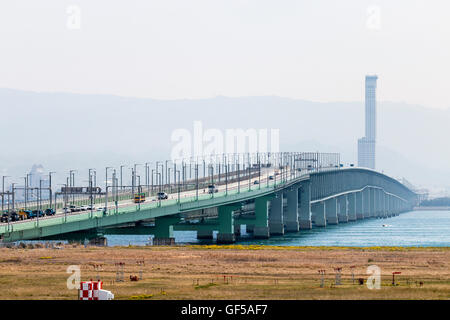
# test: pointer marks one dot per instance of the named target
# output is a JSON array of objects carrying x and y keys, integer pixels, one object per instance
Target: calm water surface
[{"x": 416, "y": 228}]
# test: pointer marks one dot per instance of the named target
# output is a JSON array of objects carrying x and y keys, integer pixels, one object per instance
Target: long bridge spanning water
[{"x": 270, "y": 195}]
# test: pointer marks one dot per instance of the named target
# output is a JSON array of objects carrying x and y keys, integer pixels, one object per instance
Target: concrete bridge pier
[
  {"x": 359, "y": 205},
  {"x": 304, "y": 218},
  {"x": 163, "y": 234},
  {"x": 276, "y": 223},
  {"x": 331, "y": 211},
  {"x": 366, "y": 203},
  {"x": 237, "y": 230},
  {"x": 226, "y": 224},
  {"x": 351, "y": 207},
  {"x": 261, "y": 226},
  {"x": 342, "y": 209},
  {"x": 396, "y": 206},
  {"x": 385, "y": 204},
  {"x": 204, "y": 234},
  {"x": 379, "y": 204},
  {"x": 372, "y": 201},
  {"x": 291, "y": 214},
  {"x": 376, "y": 203},
  {"x": 318, "y": 213}
]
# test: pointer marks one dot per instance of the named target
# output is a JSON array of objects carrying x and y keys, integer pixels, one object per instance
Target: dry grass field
[{"x": 227, "y": 272}]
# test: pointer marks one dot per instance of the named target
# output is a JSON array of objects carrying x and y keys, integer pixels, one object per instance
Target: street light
[
  {"x": 65, "y": 200},
  {"x": 133, "y": 177},
  {"x": 50, "y": 192},
  {"x": 106, "y": 188},
  {"x": 3, "y": 192},
  {"x": 25, "y": 190},
  {"x": 121, "y": 181},
  {"x": 147, "y": 172},
  {"x": 72, "y": 183}
]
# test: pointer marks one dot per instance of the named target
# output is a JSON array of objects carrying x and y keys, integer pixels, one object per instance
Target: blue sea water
[{"x": 415, "y": 228}]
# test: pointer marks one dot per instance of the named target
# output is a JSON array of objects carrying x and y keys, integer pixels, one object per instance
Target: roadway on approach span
[{"x": 268, "y": 177}]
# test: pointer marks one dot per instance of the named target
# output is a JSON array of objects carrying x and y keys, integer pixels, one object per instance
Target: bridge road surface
[{"x": 128, "y": 203}]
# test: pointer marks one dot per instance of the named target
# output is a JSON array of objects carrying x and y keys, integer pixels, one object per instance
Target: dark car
[
  {"x": 49, "y": 212},
  {"x": 212, "y": 189},
  {"x": 39, "y": 213},
  {"x": 162, "y": 196},
  {"x": 5, "y": 217},
  {"x": 14, "y": 216},
  {"x": 31, "y": 214}
]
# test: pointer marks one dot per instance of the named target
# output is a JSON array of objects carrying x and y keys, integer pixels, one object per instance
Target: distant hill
[{"x": 65, "y": 131}]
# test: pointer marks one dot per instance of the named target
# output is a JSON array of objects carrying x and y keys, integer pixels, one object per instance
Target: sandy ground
[{"x": 227, "y": 272}]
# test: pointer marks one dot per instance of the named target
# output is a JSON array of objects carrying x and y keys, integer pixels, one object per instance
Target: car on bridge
[
  {"x": 49, "y": 212},
  {"x": 212, "y": 189},
  {"x": 139, "y": 197},
  {"x": 5, "y": 217},
  {"x": 39, "y": 213},
  {"x": 162, "y": 196},
  {"x": 256, "y": 182},
  {"x": 74, "y": 208},
  {"x": 24, "y": 214},
  {"x": 270, "y": 177},
  {"x": 14, "y": 216}
]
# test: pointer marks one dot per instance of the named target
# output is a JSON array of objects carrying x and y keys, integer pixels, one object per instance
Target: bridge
[{"x": 270, "y": 195}]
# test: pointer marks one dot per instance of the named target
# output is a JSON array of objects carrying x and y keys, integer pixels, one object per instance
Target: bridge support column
[
  {"x": 331, "y": 211},
  {"x": 351, "y": 206},
  {"x": 237, "y": 230},
  {"x": 261, "y": 226},
  {"x": 359, "y": 205},
  {"x": 386, "y": 205},
  {"x": 163, "y": 234},
  {"x": 342, "y": 209},
  {"x": 249, "y": 228},
  {"x": 318, "y": 212},
  {"x": 382, "y": 205},
  {"x": 394, "y": 205},
  {"x": 204, "y": 234},
  {"x": 226, "y": 224},
  {"x": 372, "y": 201},
  {"x": 291, "y": 214},
  {"x": 376, "y": 203},
  {"x": 276, "y": 223},
  {"x": 366, "y": 203},
  {"x": 305, "y": 206}
]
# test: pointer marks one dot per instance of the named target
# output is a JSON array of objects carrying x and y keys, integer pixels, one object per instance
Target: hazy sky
[{"x": 313, "y": 49}]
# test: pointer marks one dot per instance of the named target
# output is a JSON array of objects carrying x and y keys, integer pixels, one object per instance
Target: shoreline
[{"x": 227, "y": 272}]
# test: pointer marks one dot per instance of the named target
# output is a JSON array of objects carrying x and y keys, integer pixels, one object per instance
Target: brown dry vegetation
[{"x": 251, "y": 273}]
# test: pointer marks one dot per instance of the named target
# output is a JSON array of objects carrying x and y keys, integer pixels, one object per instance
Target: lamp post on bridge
[
  {"x": 179, "y": 174},
  {"x": 106, "y": 189},
  {"x": 65, "y": 200},
  {"x": 121, "y": 181},
  {"x": 25, "y": 185},
  {"x": 50, "y": 192},
  {"x": 72, "y": 183},
  {"x": 133, "y": 177},
  {"x": 3, "y": 192},
  {"x": 147, "y": 172}
]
